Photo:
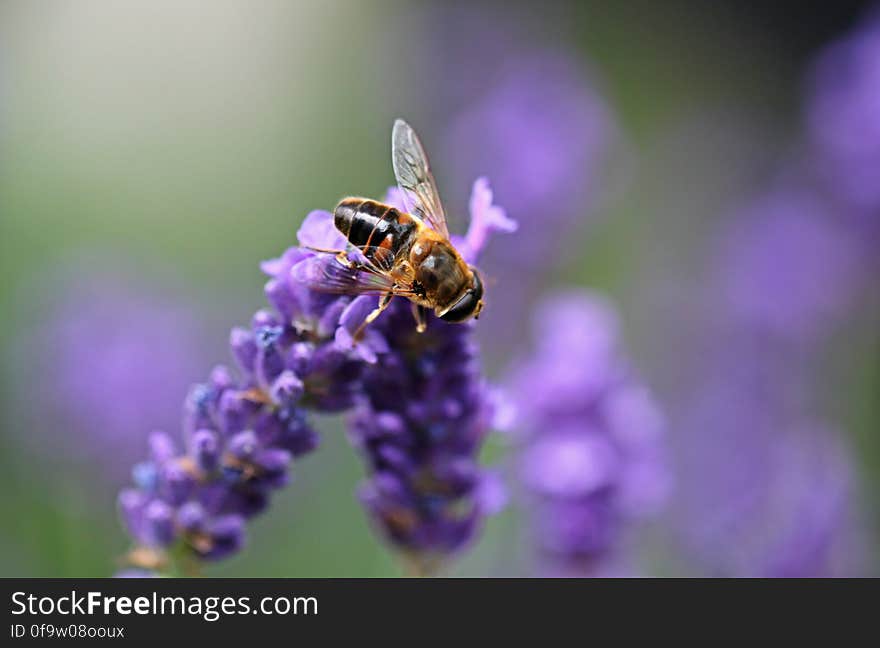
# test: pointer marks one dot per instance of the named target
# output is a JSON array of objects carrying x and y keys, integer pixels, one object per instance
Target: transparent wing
[
  {"x": 415, "y": 179},
  {"x": 375, "y": 259},
  {"x": 326, "y": 273}
]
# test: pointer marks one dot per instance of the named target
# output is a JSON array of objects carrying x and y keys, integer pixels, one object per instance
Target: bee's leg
[
  {"x": 341, "y": 255},
  {"x": 419, "y": 316},
  {"x": 383, "y": 304}
]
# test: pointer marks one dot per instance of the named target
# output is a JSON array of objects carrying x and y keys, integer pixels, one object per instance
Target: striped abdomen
[{"x": 370, "y": 224}]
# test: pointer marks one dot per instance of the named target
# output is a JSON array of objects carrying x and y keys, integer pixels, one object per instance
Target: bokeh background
[{"x": 681, "y": 158}]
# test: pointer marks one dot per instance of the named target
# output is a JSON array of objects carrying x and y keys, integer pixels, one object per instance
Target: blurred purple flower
[
  {"x": 422, "y": 422},
  {"x": 765, "y": 488},
  {"x": 786, "y": 267},
  {"x": 539, "y": 129},
  {"x": 541, "y": 132},
  {"x": 100, "y": 374},
  {"x": 764, "y": 491},
  {"x": 591, "y": 457},
  {"x": 843, "y": 114}
]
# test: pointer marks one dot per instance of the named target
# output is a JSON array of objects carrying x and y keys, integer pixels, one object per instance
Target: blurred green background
[{"x": 174, "y": 145}]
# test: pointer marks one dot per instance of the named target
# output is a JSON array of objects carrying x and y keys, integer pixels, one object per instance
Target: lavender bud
[
  {"x": 287, "y": 388},
  {"x": 244, "y": 348},
  {"x": 159, "y": 523},
  {"x": 206, "y": 450}
]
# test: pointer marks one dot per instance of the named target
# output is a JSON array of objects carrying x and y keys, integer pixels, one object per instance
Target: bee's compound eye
[
  {"x": 463, "y": 309},
  {"x": 478, "y": 283},
  {"x": 469, "y": 305}
]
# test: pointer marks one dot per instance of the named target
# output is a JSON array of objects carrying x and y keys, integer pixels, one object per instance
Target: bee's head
[{"x": 469, "y": 304}]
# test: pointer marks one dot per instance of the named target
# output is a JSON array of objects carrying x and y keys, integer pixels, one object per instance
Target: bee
[{"x": 402, "y": 253}]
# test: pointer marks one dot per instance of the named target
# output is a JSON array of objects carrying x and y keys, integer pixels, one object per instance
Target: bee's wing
[
  {"x": 325, "y": 273},
  {"x": 415, "y": 179}
]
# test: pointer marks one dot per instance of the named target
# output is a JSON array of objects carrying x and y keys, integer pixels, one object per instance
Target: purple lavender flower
[
  {"x": 843, "y": 114},
  {"x": 766, "y": 491},
  {"x": 786, "y": 267},
  {"x": 765, "y": 487},
  {"x": 591, "y": 455},
  {"x": 242, "y": 433},
  {"x": 528, "y": 117},
  {"x": 542, "y": 133},
  {"x": 98, "y": 373},
  {"x": 424, "y": 415},
  {"x": 421, "y": 411}
]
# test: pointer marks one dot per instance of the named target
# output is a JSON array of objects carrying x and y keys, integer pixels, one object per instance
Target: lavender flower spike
[
  {"x": 591, "y": 454},
  {"x": 242, "y": 432},
  {"x": 421, "y": 421}
]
